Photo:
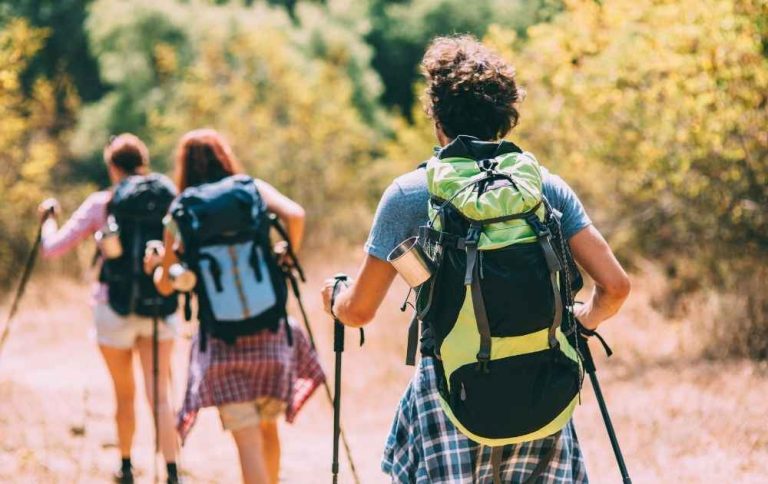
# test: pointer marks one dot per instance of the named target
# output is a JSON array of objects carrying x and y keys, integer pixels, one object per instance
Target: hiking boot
[{"x": 123, "y": 476}]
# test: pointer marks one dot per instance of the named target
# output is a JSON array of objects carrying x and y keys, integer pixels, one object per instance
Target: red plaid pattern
[{"x": 260, "y": 365}]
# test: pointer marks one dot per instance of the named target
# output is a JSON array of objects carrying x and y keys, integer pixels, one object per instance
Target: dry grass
[{"x": 680, "y": 417}]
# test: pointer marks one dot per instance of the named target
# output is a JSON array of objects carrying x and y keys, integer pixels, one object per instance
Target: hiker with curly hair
[{"x": 491, "y": 269}]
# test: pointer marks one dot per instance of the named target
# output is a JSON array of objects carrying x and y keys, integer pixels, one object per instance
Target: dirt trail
[{"x": 679, "y": 418}]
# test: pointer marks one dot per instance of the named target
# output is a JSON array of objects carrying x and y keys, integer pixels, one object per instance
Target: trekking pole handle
[
  {"x": 586, "y": 353},
  {"x": 50, "y": 209},
  {"x": 340, "y": 279}
]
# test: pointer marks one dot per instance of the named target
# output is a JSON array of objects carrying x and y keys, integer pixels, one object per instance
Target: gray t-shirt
[{"x": 403, "y": 209}]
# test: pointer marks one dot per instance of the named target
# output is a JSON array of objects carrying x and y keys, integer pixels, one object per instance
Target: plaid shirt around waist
[
  {"x": 425, "y": 447},
  {"x": 259, "y": 365}
]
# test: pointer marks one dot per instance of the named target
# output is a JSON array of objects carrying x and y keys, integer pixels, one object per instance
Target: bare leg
[
  {"x": 271, "y": 448},
  {"x": 169, "y": 439},
  {"x": 120, "y": 365},
  {"x": 250, "y": 446}
]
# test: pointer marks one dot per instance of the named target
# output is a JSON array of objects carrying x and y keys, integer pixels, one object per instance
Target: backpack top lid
[
  {"x": 142, "y": 197},
  {"x": 211, "y": 212},
  {"x": 493, "y": 183}
]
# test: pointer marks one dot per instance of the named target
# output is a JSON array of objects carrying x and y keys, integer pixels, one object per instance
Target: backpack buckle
[
  {"x": 542, "y": 230},
  {"x": 488, "y": 165},
  {"x": 483, "y": 359},
  {"x": 473, "y": 235}
]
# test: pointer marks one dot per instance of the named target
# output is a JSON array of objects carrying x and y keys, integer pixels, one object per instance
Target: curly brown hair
[{"x": 470, "y": 89}]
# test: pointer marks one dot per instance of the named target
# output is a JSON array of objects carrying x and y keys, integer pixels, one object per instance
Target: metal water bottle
[{"x": 411, "y": 262}]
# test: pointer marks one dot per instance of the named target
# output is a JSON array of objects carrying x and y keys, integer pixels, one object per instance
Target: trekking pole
[
  {"x": 294, "y": 281},
  {"x": 338, "y": 348},
  {"x": 589, "y": 367},
  {"x": 155, "y": 388},
  {"x": 28, "y": 266},
  {"x": 295, "y": 287}
]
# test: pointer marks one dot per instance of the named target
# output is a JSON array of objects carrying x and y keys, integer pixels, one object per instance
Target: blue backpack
[{"x": 225, "y": 228}]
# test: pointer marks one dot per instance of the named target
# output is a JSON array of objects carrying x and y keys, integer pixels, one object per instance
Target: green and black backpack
[{"x": 499, "y": 302}]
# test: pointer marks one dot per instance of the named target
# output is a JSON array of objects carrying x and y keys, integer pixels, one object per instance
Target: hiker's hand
[
  {"x": 327, "y": 292},
  {"x": 283, "y": 257},
  {"x": 152, "y": 259},
  {"x": 48, "y": 208},
  {"x": 581, "y": 312}
]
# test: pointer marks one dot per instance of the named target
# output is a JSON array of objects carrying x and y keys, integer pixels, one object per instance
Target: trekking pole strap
[{"x": 584, "y": 350}]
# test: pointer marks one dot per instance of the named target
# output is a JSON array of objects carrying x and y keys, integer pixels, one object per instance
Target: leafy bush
[
  {"x": 27, "y": 152},
  {"x": 293, "y": 103},
  {"x": 401, "y": 30},
  {"x": 657, "y": 112}
]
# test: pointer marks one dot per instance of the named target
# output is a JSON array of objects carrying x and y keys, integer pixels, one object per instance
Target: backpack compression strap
[{"x": 544, "y": 236}]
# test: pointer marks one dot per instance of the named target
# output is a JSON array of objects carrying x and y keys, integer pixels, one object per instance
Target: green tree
[
  {"x": 401, "y": 30},
  {"x": 658, "y": 112},
  {"x": 64, "y": 56},
  {"x": 27, "y": 151},
  {"x": 335, "y": 33},
  {"x": 285, "y": 99}
]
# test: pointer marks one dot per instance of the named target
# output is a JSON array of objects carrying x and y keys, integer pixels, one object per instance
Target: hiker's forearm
[
  {"x": 612, "y": 284},
  {"x": 351, "y": 313},
  {"x": 289, "y": 212},
  {"x": 357, "y": 305},
  {"x": 294, "y": 225},
  {"x": 162, "y": 281},
  {"x": 55, "y": 242},
  {"x": 601, "y": 306}
]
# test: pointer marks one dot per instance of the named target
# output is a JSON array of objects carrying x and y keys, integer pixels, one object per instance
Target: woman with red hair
[{"x": 259, "y": 376}]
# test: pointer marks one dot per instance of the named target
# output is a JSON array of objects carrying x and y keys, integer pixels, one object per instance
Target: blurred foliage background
[{"x": 656, "y": 112}]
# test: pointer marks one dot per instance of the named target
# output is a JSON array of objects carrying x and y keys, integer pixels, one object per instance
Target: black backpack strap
[
  {"x": 187, "y": 306},
  {"x": 253, "y": 259},
  {"x": 413, "y": 341},
  {"x": 288, "y": 331},
  {"x": 215, "y": 270}
]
